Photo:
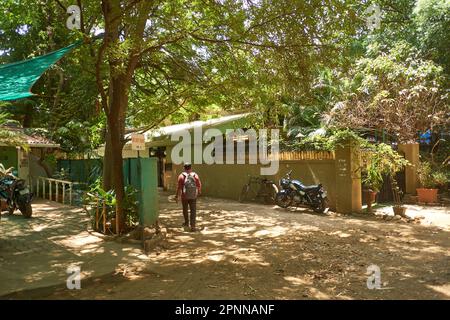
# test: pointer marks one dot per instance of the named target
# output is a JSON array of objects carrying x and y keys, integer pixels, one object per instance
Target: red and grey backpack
[{"x": 190, "y": 187}]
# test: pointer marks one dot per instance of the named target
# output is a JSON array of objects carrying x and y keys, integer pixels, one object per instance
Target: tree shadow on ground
[
  {"x": 255, "y": 252},
  {"x": 37, "y": 252}
]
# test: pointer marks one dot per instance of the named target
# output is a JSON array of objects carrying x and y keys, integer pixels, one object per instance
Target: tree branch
[
  {"x": 61, "y": 5},
  {"x": 253, "y": 44}
]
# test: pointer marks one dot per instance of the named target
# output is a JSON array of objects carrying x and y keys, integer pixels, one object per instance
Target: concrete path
[
  {"x": 431, "y": 215},
  {"x": 36, "y": 252}
]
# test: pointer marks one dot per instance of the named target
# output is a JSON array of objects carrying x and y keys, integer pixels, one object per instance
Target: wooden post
[
  {"x": 57, "y": 190},
  {"x": 64, "y": 193},
  {"x": 117, "y": 222},
  {"x": 97, "y": 209},
  {"x": 50, "y": 190},
  {"x": 104, "y": 217},
  {"x": 70, "y": 193}
]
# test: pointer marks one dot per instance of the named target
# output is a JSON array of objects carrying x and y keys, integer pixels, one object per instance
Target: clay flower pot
[
  {"x": 370, "y": 198},
  {"x": 427, "y": 195},
  {"x": 399, "y": 210}
]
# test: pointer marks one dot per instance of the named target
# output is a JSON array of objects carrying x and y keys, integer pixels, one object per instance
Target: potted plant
[
  {"x": 430, "y": 182},
  {"x": 373, "y": 181},
  {"x": 380, "y": 160},
  {"x": 399, "y": 208}
]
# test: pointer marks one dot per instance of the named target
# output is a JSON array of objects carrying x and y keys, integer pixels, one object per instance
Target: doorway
[{"x": 160, "y": 154}]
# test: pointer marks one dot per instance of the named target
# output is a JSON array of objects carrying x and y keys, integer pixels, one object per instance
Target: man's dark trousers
[{"x": 192, "y": 203}]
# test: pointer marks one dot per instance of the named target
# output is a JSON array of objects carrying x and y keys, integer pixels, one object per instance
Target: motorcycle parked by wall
[
  {"x": 294, "y": 193},
  {"x": 16, "y": 194}
]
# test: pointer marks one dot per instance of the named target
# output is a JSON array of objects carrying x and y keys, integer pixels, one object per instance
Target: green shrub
[
  {"x": 430, "y": 178},
  {"x": 378, "y": 161},
  {"x": 96, "y": 194},
  {"x": 440, "y": 179}
]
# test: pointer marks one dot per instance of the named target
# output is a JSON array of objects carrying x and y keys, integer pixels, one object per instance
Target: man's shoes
[
  {"x": 185, "y": 224},
  {"x": 193, "y": 229}
]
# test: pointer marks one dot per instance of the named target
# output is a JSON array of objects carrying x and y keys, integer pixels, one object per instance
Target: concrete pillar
[
  {"x": 348, "y": 179},
  {"x": 411, "y": 152},
  {"x": 149, "y": 206},
  {"x": 23, "y": 164},
  {"x": 143, "y": 175}
]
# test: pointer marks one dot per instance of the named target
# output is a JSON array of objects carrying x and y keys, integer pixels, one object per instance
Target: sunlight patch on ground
[
  {"x": 39, "y": 227},
  {"x": 86, "y": 274},
  {"x": 214, "y": 242},
  {"x": 216, "y": 257},
  {"x": 80, "y": 240},
  {"x": 37, "y": 276},
  {"x": 443, "y": 289},
  {"x": 183, "y": 238},
  {"x": 341, "y": 234},
  {"x": 432, "y": 215},
  {"x": 297, "y": 281},
  {"x": 296, "y": 226},
  {"x": 318, "y": 294},
  {"x": 435, "y": 249},
  {"x": 273, "y": 232},
  {"x": 92, "y": 248}
]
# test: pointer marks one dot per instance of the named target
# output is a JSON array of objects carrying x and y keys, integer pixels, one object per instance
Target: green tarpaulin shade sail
[{"x": 16, "y": 79}]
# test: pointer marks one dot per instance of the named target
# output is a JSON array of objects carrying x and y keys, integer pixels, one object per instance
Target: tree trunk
[
  {"x": 117, "y": 176},
  {"x": 119, "y": 85},
  {"x": 116, "y": 124},
  {"x": 107, "y": 161}
]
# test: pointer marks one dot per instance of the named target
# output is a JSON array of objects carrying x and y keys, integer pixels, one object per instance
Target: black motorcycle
[
  {"x": 295, "y": 193},
  {"x": 16, "y": 194}
]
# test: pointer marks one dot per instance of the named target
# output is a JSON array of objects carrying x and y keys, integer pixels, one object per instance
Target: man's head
[{"x": 187, "y": 166}]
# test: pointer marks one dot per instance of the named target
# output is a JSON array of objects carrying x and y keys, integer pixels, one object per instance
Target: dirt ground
[{"x": 251, "y": 251}]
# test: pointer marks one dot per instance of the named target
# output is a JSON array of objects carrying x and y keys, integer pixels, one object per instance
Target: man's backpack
[{"x": 190, "y": 187}]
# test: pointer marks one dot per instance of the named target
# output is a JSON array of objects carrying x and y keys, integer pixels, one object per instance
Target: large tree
[
  {"x": 396, "y": 91},
  {"x": 187, "y": 42},
  {"x": 432, "y": 22},
  {"x": 157, "y": 57}
]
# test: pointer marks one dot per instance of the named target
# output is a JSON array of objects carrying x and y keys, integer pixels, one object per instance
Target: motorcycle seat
[{"x": 310, "y": 188}]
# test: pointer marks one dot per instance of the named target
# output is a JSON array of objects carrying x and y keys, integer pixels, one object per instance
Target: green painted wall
[
  {"x": 226, "y": 181},
  {"x": 80, "y": 169},
  {"x": 340, "y": 177},
  {"x": 141, "y": 173}
]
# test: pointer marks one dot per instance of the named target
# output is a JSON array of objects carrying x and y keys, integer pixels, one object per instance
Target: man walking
[{"x": 190, "y": 187}]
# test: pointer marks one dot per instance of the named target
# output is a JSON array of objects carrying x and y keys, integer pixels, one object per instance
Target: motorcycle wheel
[
  {"x": 323, "y": 206},
  {"x": 11, "y": 209},
  {"x": 243, "y": 196},
  {"x": 283, "y": 200},
  {"x": 271, "y": 195},
  {"x": 26, "y": 210}
]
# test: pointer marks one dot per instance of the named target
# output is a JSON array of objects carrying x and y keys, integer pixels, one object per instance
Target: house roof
[
  {"x": 161, "y": 136},
  {"x": 33, "y": 140}
]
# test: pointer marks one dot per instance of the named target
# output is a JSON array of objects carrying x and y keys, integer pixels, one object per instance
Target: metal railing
[{"x": 51, "y": 185}]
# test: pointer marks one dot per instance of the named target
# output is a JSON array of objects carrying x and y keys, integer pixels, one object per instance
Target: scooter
[
  {"x": 16, "y": 194},
  {"x": 294, "y": 193}
]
